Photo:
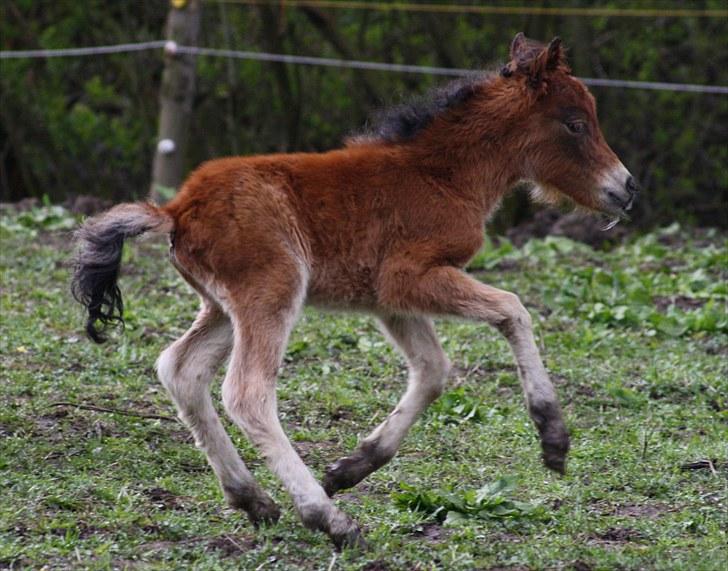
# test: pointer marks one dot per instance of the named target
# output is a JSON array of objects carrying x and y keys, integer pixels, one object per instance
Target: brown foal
[{"x": 384, "y": 225}]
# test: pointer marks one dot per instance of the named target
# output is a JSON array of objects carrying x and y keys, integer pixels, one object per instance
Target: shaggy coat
[{"x": 385, "y": 226}]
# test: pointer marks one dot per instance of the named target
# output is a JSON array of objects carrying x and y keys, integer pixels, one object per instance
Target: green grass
[{"x": 635, "y": 340}]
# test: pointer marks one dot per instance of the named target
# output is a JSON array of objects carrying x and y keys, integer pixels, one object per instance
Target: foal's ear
[
  {"x": 518, "y": 46},
  {"x": 533, "y": 59},
  {"x": 552, "y": 55},
  {"x": 548, "y": 59}
]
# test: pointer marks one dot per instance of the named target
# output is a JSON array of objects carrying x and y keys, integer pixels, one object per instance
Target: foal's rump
[
  {"x": 232, "y": 226},
  {"x": 235, "y": 226}
]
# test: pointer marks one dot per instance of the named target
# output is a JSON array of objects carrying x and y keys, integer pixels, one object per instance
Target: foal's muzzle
[
  {"x": 626, "y": 199},
  {"x": 619, "y": 190}
]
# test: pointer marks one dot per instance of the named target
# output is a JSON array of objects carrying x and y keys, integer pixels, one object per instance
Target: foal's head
[{"x": 556, "y": 129}]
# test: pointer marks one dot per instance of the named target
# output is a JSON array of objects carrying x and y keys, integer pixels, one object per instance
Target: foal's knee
[{"x": 514, "y": 317}]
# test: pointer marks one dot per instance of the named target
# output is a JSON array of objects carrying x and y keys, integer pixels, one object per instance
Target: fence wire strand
[
  {"x": 339, "y": 63},
  {"x": 89, "y": 51}
]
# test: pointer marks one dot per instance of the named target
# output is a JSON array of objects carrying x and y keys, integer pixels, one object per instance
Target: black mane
[{"x": 402, "y": 122}]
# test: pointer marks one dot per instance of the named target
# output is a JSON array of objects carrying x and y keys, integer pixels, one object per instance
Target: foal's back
[{"x": 338, "y": 219}]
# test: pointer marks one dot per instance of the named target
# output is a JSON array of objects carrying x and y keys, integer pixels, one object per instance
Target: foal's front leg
[
  {"x": 449, "y": 291},
  {"x": 415, "y": 337}
]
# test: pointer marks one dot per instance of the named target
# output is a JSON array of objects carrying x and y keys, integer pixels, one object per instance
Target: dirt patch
[
  {"x": 19, "y": 530},
  {"x": 478, "y": 372},
  {"x": 6, "y": 430},
  {"x": 683, "y": 302},
  {"x": 432, "y": 532},
  {"x": 378, "y": 565},
  {"x": 183, "y": 436},
  {"x": 341, "y": 413},
  {"x": 164, "y": 499},
  {"x": 231, "y": 545},
  {"x": 48, "y": 426},
  {"x": 713, "y": 346},
  {"x": 585, "y": 390},
  {"x": 509, "y": 568},
  {"x": 506, "y": 266},
  {"x": 19, "y": 562},
  {"x": 647, "y": 511},
  {"x": 504, "y": 537},
  {"x": 618, "y": 535},
  {"x": 194, "y": 468},
  {"x": 61, "y": 424},
  {"x": 316, "y": 451},
  {"x": 642, "y": 511},
  {"x": 82, "y": 528}
]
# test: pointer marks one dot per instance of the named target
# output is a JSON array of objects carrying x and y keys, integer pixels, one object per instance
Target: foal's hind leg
[
  {"x": 428, "y": 367},
  {"x": 186, "y": 369},
  {"x": 261, "y": 326}
]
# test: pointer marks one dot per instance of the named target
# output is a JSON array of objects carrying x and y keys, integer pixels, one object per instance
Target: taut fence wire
[
  {"x": 172, "y": 48},
  {"x": 89, "y": 51}
]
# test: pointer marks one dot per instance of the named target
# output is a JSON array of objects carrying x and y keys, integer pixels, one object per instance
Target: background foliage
[{"x": 88, "y": 125}]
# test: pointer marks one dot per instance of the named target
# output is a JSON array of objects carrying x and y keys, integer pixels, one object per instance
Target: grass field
[{"x": 636, "y": 340}]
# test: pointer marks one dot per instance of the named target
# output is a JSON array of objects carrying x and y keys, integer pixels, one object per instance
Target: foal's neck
[{"x": 481, "y": 170}]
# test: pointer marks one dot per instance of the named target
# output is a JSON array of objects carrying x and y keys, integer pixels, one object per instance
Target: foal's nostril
[
  {"x": 631, "y": 185},
  {"x": 614, "y": 197}
]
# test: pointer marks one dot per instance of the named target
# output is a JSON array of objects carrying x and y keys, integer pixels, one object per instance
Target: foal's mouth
[
  {"x": 609, "y": 221},
  {"x": 611, "y": 217},
  {"x": 615, "y": 209}
]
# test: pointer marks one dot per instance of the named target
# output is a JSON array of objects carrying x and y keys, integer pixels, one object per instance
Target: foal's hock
[{"x": 384, "y": 225}]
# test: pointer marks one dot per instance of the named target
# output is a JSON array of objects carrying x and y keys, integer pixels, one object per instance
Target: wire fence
[
  {"x": 172, "y": 48},
  {"x": 89, "y": 51}
]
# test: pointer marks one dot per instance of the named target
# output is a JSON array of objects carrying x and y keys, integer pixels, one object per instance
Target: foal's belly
[{"x": 337, "y": 287}]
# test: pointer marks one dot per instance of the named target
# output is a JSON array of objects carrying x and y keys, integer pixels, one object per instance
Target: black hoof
[
  {"x": 263, "y": 512},
  {"x": 554, "y": 454},
  {"x": 554, "y": 436},
  {"x": 350, "y": 539},
  {"x": 259, "y": 506},
  {"x": 345, "y": 473}
]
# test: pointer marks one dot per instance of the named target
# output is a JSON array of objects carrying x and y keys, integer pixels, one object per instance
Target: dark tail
[{"x": 100, "y": 242}]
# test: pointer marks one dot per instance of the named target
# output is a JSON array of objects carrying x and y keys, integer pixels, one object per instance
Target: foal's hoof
[
  {"x": 343, "y": 531},
  {"x": 335, "y": 477},
  {"x": 261, "y": 509},
  {"x": 348, "y": 471},
  {"x": 263, "y": 512},
  {"x": 554, "y": 454},
  {"x": 352, "y": 538}
]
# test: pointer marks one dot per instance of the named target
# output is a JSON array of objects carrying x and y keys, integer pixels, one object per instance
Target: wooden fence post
[{"x": 175, "y": 98}]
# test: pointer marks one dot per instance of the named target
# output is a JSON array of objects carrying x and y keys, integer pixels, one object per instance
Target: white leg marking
[
  {"x": 250, "y": 399},
  {"x": 186, "y": 369},
  {"x": 416, "y": 339},
  {"x": 428, "y": 365}
]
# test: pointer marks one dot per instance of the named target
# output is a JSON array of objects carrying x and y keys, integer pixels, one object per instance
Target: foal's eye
[{"x": 576, "y": 127}]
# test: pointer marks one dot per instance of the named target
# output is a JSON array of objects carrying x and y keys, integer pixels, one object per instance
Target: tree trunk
[
  {"x": 175, "y": 98},
  {"x": 274, "y": 29},
  {"x": 327, "y": 29}
]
